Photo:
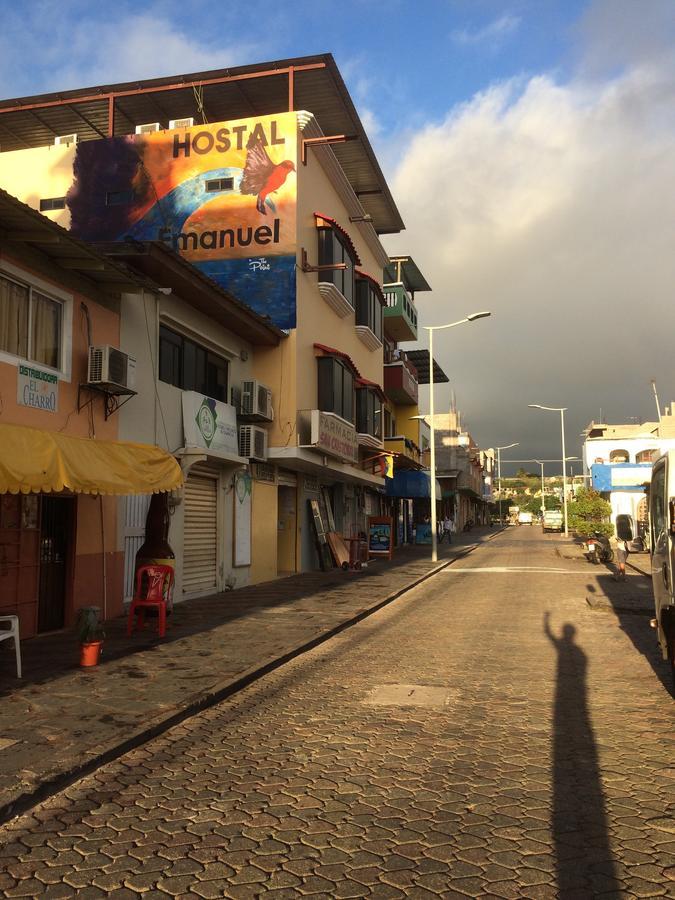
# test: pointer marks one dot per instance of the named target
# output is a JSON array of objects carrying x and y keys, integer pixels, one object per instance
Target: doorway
[
  {"x": 287, "y": 530},
  {"x": 56, "y": 528}
]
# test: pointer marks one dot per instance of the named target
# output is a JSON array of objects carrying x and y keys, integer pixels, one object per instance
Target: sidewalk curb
[
  {"x": 638, "y": 569},
  {"x": 106, "y": 753}
]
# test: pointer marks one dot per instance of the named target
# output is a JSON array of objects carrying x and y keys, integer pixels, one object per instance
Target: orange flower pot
[{"x": 89, "y": 653}]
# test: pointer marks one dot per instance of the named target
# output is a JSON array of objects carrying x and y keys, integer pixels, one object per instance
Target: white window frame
[{"x": 33, "y": 283}]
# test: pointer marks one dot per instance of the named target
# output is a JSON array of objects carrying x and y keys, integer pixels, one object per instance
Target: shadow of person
[{"x": 583, "y": 857}]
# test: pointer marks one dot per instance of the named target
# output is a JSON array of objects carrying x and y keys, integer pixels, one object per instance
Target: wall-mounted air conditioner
[
  {"x": 65, "y": 139},
  {"x": 110, "y": 367},
  {"x": 256, "y": 401},
  {"x": 235, "y": 399},
  {"x": 148, "y": 128},
  {"x": 253, "y": 442},
  {"x": 182, "y": 123}
]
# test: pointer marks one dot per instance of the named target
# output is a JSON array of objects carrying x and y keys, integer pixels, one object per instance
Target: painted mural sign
[
  {"x": 223, "y": 196},
  {"x": 37, "y": 388}
]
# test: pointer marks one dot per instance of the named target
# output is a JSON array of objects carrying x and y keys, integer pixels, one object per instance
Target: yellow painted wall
[
  {"x": 276, "y": 368},
  {"x": 405, "y": 424},
  {"x": 264, "y": 533},
  {"x": 37, "y": 174},
  {"x": 317, "y": 322}
]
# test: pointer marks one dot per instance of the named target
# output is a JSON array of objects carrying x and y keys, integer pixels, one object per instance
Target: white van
[{"x": 662, "y": 538}]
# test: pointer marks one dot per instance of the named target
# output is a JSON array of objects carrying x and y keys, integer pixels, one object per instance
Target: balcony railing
[{"x": 400, "y": 315}]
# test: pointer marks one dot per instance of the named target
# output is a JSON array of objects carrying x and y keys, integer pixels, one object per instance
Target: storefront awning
[
  {"x": 411, "y": 485},
  {"x": 32, "y": 460}
]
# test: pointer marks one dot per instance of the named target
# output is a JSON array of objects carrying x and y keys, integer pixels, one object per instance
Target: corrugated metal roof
[
  {"x": 19, "y": 224},
  {"x": 410, "y": 273},
  {"x": 261, "y": 89},
  {"x": 420, "y": 359}
]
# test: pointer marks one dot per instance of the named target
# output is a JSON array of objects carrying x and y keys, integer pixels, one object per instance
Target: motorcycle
[
  {"x": 468, "y": 525},
  {"x": 597, "y": 549}
]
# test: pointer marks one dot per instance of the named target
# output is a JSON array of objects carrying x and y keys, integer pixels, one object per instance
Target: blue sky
[{"x": 530, "y": 146}]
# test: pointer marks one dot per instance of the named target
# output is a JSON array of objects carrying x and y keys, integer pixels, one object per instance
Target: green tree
[
  {"x": 589, "y": 513},
  {"x": 533, "y": 504}
]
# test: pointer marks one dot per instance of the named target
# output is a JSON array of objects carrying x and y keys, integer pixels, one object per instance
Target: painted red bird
[{"x": 262, "y": 176}]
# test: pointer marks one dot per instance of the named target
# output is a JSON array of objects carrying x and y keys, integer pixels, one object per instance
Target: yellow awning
[{"x": 32, "y": 460}]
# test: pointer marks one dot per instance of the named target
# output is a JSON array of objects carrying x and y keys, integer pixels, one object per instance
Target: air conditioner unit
[
  {"x": 182, "y": 123},
  {"x": 65, "y": 139},
  {"x": 252, "y": 442},
  {"x": 147, "y": 129},
  {"x": 110, "y": 367},
  {"x": 235, "y": 399},
  {"x": 256, "y": 401}
]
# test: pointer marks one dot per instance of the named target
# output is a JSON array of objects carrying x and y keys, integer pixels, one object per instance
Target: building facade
[
  {"x": 59, "y": 457},
  {"x": 282, "y": 209},
  {"x": 618, "y": 462}
]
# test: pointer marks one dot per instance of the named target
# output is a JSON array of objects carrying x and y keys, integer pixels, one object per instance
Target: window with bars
[
  {"x": 50, "y": 203},
  {"x": 31, "y": 323}
]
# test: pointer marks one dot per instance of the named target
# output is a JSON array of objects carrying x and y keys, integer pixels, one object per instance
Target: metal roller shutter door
[{"x": 200, "y": 534}]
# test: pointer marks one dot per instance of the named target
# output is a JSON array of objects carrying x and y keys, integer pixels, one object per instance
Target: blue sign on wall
[{"x": 620, "y": 476}]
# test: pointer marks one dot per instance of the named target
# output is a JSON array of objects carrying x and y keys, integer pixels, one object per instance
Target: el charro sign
[{"x": 334, "y": 436}]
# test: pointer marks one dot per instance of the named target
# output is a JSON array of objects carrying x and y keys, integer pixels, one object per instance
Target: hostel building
[{"x": 261, "y": 178}]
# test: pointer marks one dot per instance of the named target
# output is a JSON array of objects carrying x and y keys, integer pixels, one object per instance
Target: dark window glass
[
  {"x": 347, "y": 395},
  {"x": 119, "y": 198},
  {"x": 52, "y": 203},
  {"x": 333, "y": 250},
  {"x": 215, "y": 185},
  {"x": 186, "y": 365},
  {"x": 336, "y": 388},
  {"x": 368, "y": 413},
  {"x": 368, "y": 307},
  {"x": 325, "y": 368},
  {"x": 170, "y": 357}
]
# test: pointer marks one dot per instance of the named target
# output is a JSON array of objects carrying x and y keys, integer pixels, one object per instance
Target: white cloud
[
  {"x": 491, "y": 34},
  {"x": 72, "y": 50},
  {"x": 552, "y": 206}
]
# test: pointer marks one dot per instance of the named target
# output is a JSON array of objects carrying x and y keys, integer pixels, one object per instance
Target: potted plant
[{"x": 90, "y": 633}]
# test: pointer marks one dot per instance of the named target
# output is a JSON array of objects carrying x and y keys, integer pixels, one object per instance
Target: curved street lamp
[
  {"x": 431, "y": 328},
  {"x": 561, "y": 410},
  {"x": 499, "y": 474}
]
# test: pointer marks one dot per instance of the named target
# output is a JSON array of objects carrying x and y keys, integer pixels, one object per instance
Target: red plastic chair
[{"x": 154, "y": 586}]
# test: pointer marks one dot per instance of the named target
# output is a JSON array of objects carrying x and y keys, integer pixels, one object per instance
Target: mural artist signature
[{"x": 259, "y": 265}]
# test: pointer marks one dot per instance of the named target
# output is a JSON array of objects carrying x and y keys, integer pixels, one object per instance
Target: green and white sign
[
  {"x": 206, "y": 422},
  {"x": 37, "y": 388},
  {"x": 210, "y": 424}
]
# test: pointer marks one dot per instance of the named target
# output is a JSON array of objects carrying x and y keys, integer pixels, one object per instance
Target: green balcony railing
[{"x": 400, "y": 315}]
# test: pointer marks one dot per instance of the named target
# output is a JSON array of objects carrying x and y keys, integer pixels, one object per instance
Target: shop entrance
[
  {"x": 286, "y": 530},
  {"x": 56, "y": 524}
]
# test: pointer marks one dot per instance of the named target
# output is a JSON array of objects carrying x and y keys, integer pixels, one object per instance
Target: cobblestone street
[{"x": 489, "y": 733}]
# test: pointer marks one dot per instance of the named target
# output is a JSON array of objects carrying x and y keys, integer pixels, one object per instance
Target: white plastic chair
[{"x": 12, "y": 632}]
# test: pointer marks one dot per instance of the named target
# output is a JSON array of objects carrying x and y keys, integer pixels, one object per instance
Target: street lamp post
[
  {"x": 543, "y": 502},
  {"x": 561, "y": 410},
  {"x": 431, "y": 329},
  {"x": 499, "y": 474}
]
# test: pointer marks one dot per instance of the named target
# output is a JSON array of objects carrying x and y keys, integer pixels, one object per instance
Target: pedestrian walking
[
  {"x": 446, "y": 529},
  {"x": 621, "y": 554}
]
